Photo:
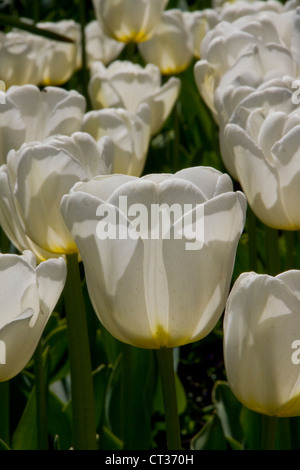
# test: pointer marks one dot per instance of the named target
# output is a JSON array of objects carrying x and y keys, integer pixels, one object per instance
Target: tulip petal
[
  {"x": 48, "y": 112},
  {"x": 210, "y": 181},
  {"x": 35, "y": 190},
  {"x": 16, "y": 271},
  {"x": 292, "y": 279},
  {"x": 194, "y": 311},
  {"x": 110, "y": 266},
  {"x": 162, "y": 102},
  {"x": 109, "y": 183},
  {"x": 287, "y": 154},
  {"x": 258, "y": 178},
  {"x": 51, "y": 277}
]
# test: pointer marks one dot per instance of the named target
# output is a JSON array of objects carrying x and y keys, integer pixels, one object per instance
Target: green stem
[
  {"x": 176, "y": 155},
  {"x": 84, "y": 64},
  {"x": 252, "y": 245},
  {"x": 272, "y": 250},
  {"x": 41, "y": 398},
  {"x": 83, "y": 405},
  {"x": 167, "y": 375},
  {"x": 127, "y": 396},
  {"x": 290, "y": 249},
  {"x": 268, "y": 434},
  {"x": 4, "y": 412},
  {"x": 4, "y": 242}
]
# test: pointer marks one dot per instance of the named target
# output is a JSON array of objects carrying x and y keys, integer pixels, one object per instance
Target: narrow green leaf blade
[{"x": 30, "y": 28}]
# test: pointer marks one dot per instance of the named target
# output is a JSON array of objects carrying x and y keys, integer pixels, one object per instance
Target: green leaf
[
  {"x": 25, "y": 436},
  {"x": 3, "y": 445},
  {"x": 30, "y": 28},
  {"x": 59, "y": 423},
  {"x": 101, "y": 379},
  {"x": 111, "y": 346},
  {"x": 57, "y": 343},
  {"x": 228, "y": 409},
  {"x": 211, "y": 436},
  {"x": 109, "y": 441}
]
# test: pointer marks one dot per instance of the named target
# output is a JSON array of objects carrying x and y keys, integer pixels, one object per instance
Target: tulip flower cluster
[
  {"x": 131, "y": 143},
  {"x": 246, "y": 75}
]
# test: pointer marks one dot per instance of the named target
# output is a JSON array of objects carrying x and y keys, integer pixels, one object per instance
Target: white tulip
[
  {"x": 130, "y": 133},
  {"x": 128, "y": 21},
  {"x": 33, "y": 115},
  {"x": 99, "y": 46},
  {"x": 124, "y": 84},
  {"x": 198, "y": 24},
  {"x": 228, "y": 98},
  {"x": 155, "y": 285},
  {"x": 231, "y": 11},
  {"x": 245, "y": 53},
  {"x": 18, "y": 55},
  {"x": 60, "y": 59},
  {"x": 261, "y": 342},
  {"x": 263, "y": 138},
  {"x": 171, "y": 47},
  {"x": 28, "y": 296},
  {"x": 38, "y": 175}
]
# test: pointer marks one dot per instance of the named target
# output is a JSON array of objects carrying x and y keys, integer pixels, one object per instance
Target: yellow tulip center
[{"x": 161, "y": 337}]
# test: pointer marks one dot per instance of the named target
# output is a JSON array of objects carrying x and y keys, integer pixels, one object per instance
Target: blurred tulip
[
  {"x": 287, "y": 25},
  {"x": 127, "y": 85},
  {"x": 153, "y": 291},
  {"x": 59, "y": 58},
  {"x": 198, "y": 24},
  {"x": 171, "y": 48},
  {"x": 263, "y": 140},
  {"x": 28, "y": 297},
  {"x": 99, "y": 46},
  {"x": 128, "y": 21},
  {"x": 38, "y": 175},
  {"x": 32, "y": 115},
  {"x": 18, "y": 55},
  {"x": 261, "y": 324},
  {"x": 230, "y": 11},
  {"x": 130, "y": 133},
  {"x": 31, "y": 59}
]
